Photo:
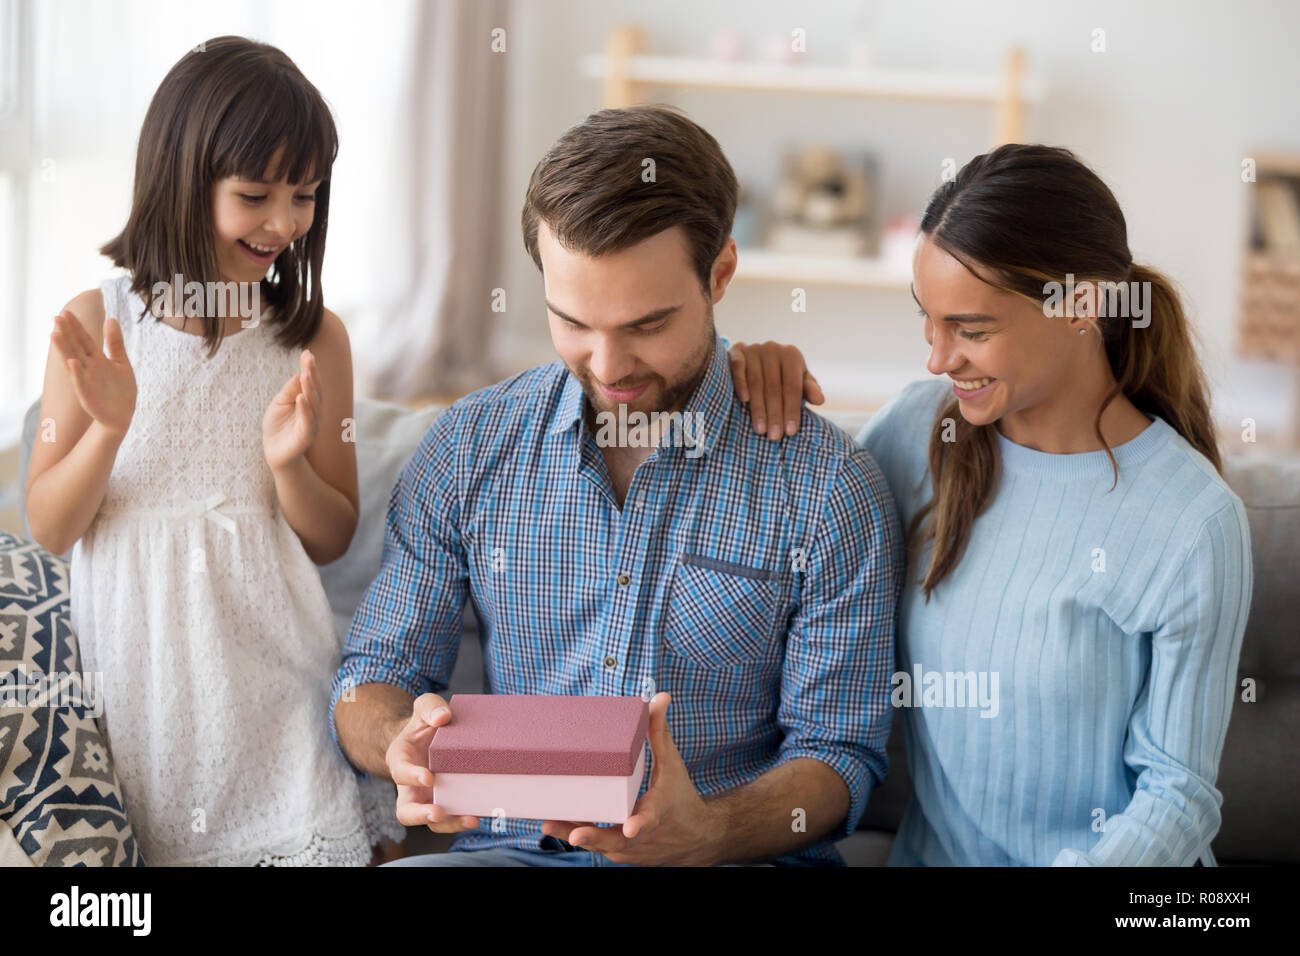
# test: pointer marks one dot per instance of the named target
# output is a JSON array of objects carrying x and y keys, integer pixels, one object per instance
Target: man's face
[{"x": 634, "y": 326}]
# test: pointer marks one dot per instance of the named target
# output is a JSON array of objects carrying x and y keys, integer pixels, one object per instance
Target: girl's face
[
  {"x": 255, "y": 220},
  {"x": 1002, "y": 353}
]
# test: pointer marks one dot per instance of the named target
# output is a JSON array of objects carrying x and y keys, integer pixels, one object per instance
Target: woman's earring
[{"x": 1083, "y": 331}]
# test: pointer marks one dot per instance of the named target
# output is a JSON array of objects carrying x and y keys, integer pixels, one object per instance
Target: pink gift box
[{"x": 540, "y": 757}]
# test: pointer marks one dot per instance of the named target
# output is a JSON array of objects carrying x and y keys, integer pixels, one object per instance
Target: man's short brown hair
[{"x": 595, "y": 192}]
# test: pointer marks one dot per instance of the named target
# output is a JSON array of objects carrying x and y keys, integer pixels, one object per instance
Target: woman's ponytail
[{"x": 1155, "y": 364}]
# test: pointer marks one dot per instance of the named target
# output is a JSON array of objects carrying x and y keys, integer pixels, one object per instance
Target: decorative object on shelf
[
  {"x": 862, "y": 36},
  {"x": 898, "y": 241},
  {"x": 745, "y": 227},
  {"x": 1269, "y": 324},
  {"x": 779, "y": 48},
  {"x": 1270, "y": 307},
  {"x": 824, "y": 205},
  {"x": 1270, "y": 287},
  {"x": 728, "y": 46}
]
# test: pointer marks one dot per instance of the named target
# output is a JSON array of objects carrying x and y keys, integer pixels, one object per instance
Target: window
[{"x": 14, "y": 166}]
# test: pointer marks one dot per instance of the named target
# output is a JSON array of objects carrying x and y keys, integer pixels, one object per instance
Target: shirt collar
[
  {"x": 709, "y": 404},
  {"x": 568, "y": 411}
]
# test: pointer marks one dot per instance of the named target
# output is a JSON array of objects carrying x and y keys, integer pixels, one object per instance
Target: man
[{"x": 611, "y": 551}]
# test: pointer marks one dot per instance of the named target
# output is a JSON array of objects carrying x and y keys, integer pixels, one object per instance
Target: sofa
[{"x": 1259, "y": 776}]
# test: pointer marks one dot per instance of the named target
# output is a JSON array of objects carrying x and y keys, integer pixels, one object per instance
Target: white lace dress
[{"x": 195, "y": 600}]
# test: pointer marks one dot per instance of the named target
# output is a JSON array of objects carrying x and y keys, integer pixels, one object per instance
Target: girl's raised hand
[
  {"x": 773, "y": 378},
  {"x": 293, "y": 418},
  {"x": 105, "y": 384}
]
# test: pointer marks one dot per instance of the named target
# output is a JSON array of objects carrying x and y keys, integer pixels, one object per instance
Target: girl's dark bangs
[{"x": 260, "y": 121}]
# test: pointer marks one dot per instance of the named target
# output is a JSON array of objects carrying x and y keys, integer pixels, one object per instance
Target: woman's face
[
  {"x": 1002, "y": 353},
  {"x": 254, "y": 220}
]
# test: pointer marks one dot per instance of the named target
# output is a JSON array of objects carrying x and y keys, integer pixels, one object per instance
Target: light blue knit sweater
[{"x": 1094, "y": 636}]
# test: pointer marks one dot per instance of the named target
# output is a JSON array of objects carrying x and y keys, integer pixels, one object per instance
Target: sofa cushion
[
  {"x": 1252, "y": 777},
  {"x": 60, "y": 802},
  {"x": 386, "y": 436},
  {"x": 1257, "y": 772},
  {"x": 1261, "y": 818},
  {"x": 31, "y": 421}
]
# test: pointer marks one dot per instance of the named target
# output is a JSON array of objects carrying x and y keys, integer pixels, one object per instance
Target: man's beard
[{"x": 664, "y": 396}]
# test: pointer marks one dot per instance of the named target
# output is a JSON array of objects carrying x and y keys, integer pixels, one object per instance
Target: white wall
[{"x": 1183, "y": 92}]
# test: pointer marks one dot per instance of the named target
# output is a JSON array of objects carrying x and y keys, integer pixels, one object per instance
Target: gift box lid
[{"x": 540, "y": 734}]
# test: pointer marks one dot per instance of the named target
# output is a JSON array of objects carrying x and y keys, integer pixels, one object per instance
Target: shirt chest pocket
[{"x": 721, "y": 614}]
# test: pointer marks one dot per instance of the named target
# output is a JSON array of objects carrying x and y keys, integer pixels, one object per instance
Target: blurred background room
[{"x": 840, "y": 117}]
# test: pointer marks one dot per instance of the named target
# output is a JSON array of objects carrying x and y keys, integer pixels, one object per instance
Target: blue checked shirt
[{"x": 754, "y": 581}]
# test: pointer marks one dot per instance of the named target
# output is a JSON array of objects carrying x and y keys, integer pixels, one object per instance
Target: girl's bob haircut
[{"x": 227, "y": 108}]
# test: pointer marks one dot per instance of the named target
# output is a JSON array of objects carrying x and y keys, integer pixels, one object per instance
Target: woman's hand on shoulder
[
  {"x": 104, "y": 384},
  {"x": 773, "y": 378}
]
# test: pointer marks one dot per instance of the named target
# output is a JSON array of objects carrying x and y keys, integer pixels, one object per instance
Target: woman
[{"x": 1077, "y": 565}]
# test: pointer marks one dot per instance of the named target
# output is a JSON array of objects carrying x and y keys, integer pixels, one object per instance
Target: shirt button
[
  {"x": 623, "y": 580},
  {"x": 611, "y": 661}
]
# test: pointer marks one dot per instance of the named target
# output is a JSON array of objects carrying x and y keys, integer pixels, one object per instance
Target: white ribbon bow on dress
[{"x": 207, "y": 508}]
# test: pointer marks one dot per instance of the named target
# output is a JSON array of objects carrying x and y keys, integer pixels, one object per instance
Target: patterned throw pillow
[{"x": 60, "y": 803}]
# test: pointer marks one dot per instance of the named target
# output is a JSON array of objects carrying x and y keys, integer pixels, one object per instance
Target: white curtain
[
  {"x": 418, "y": 97},
  {"x": 433, "y": 336}
]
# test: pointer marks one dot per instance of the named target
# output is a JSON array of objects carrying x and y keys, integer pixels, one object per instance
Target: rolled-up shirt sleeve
[
  {"x": 406, "y": 630},
  {"x": 1177, "y": 728},
  {"x": 840, "y": 645}
]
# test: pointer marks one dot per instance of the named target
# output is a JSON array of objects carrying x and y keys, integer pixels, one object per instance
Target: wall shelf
[
  {"x": 821, "y": 80},
  {"x": 630, "y": 76}
]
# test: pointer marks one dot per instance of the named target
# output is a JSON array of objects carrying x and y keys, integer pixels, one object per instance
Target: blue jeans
[
  {"x": 510, "y": 856},
  {"x": 507, "y": 856}
]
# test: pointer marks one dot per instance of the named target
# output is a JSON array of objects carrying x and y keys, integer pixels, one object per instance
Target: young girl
[
  {"x": 201, "y": 466},
  {"x": 1070, "y": 534}
]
